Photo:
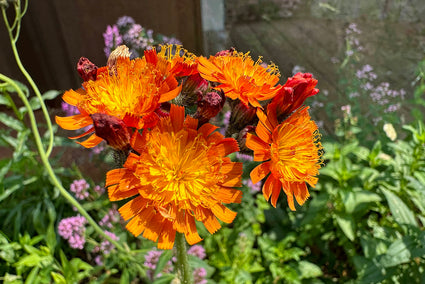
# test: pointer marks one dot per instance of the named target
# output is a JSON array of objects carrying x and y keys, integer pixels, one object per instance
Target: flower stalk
[{"x": 183, "y": 267}]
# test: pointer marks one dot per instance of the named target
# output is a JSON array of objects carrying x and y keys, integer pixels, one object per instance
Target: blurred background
[{"x": 292, "y": 33}]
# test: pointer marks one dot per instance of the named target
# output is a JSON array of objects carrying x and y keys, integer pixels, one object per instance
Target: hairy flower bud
[
  {"x": 86, "y": 69},
  {"x": 193, "y": 86},
  {"x": 242, "y": 139},
  {"x": 241, "y": 116},
  {"x": 112, "y": 129},
  {"x": 120, "y": 51},
  {"x": 209, "y": 105}
]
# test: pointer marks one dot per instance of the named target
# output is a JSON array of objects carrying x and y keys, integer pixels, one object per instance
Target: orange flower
[
  {"x": 291, "y": 151},
  {"x": 179, "y": 175},
  {"x": 131, "y": 93},
  {"x": 183, "y": 63},
  {"x": 240, "y": 77}
]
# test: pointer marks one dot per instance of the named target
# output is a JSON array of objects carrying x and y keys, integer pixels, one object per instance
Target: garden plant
[{"x": 216, "y": 172}]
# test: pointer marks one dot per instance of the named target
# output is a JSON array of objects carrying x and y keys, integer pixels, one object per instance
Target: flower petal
[
  {"x": 74, "y": 122},
  {"x": 260, "y": 172}
]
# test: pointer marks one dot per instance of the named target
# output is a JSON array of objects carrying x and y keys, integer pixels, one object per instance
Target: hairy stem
[{"x": 183, "y": 266}]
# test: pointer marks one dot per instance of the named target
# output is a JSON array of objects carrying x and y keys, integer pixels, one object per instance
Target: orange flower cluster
[{"x": 177, "y": 170}]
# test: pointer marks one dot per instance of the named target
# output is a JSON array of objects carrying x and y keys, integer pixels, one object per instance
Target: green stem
[
  {"x": 183, "y": 266},
  {"x": 13, "y": 40},
  {"x": 53, "y": 178}
]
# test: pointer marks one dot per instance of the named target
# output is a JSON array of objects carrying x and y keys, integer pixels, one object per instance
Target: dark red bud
[
  {"x": 112, "y": 129},
  {"x": 86, "y": 69}
]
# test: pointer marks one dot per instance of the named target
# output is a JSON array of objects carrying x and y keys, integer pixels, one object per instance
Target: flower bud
[
  {"x": 112, "y": 129},
  {"x": 209, "y": 105},
  {"x": 193, "y": 86},
  {"x": 226, "y": 52},
  {"x": 86, "y": 69},
  {"x": 241, "y": 116},
  {"x": 119, "y": 52},
  {"x": 242, "y": 139}
]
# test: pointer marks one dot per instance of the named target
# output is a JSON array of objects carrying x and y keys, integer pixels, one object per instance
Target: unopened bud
[
  {"x": 121, "y": 51},
  {"x": 241, "y": 116},
  {"x": 86, "y": 69},
  {"x": 226, "y": 52},
  {"x": 209, "y": 105},
  {"x": 112, "y": 129},
  {"x": 242, "y": 139}
]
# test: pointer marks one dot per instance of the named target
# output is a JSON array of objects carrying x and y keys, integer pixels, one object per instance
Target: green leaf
[
  {"x": 164, "y": 279},
  {"x": 398, "y": 253},
  {"x": 162, "y": 262},
  {"x": 11, "y": 122},
  {"x": 347, "y": 225},
  {"x": 401, "y": 213},
  {"x": 309, "y": 270},
  {"x": 58, "y": 278},
  {"x": 354, "y": 199},
  {"x": 51, "y": 94},
  {"x": 32, "y": 275},
  {"x": 10, "y": 89}
]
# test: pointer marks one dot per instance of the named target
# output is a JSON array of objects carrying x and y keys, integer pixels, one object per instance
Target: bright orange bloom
[
  {"x": 240, "y": 77},
  {"x": 179, "y": 175},
  {"x": 131, "y": 93},
  {"x": 182, "y": 62},
  {"x": 291, "y": 151}
]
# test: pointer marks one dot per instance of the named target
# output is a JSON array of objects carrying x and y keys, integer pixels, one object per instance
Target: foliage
[{"x": 364, "y": 222}]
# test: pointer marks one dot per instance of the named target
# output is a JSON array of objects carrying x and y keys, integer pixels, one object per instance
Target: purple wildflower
[
  {"x": 98, "y": 260},
  {"x": 105, "y": 246},
  {"x": 111, "y": 217},
  {"x": 99, "y": 189},
  {"x": 244, "y": 157},
  {"x": 151, "y": 260},
  {"x": 69, "y": 109},
  {"x": 125, "y": 21},
  {"x": 254, "y": 188},
  {"x": 72, "y": 229},
  {"x": 112, "y": 39},
  {"x": 199, "y": 275},
  {"x": 198, "y": 251},
  {"x": 79, "y": 188}
]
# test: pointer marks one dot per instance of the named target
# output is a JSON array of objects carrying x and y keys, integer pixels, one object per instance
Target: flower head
[
  {"x": 183, "y": 63},
  {"x": 180, "y": 174},
  {"x": 130, "y": 94},
  {"x": 240, "y": 77},
  {"x": 291, "y": 151},
  {"x": 293, "y": 94},
  {"x": 72, "y": 229}
]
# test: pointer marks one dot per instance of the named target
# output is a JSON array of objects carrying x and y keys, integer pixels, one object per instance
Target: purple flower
[
  {"x": 105, "y": 246},
  {"x": 254, "y": 188},
  {"x": 111, "y": 217},
  {"x": 79, "y": 188},
  {"x": 151, "y": 260},
  {"x": 99, "y": 189},
  {"x": 72, "y": 229},
  {"x": 198, "y": 251},
  {"x": 124, "y": 22},
  {"x": 69, "y": 109},
  {"x": 244, "y": 157},
  {"x": 199, "y": 275},
  {"x": 98, "y": 260},
  {"x": 112, "y": 39}
]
